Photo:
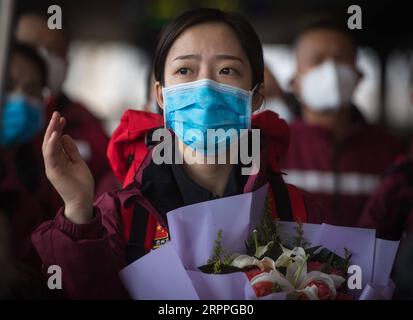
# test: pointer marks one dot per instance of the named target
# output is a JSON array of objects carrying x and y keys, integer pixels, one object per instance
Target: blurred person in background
[
  {"x": 278, "y": 101},
  {"x": 85, "y": 128},
  {"x": 26, "y": 196},
  {"x": 390, "y": 208},
  {"x": 334, "y": 153}
]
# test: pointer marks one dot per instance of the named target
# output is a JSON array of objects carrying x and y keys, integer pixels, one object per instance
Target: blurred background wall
[{"x": 113, "y": 41}]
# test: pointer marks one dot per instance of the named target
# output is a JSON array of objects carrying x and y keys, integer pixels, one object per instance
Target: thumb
[{"x": 70, "y": 148}]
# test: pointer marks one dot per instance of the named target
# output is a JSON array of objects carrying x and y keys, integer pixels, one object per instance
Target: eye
[
  {"x": 183, "y": 71},
  {"x": 228, "y": 71}
]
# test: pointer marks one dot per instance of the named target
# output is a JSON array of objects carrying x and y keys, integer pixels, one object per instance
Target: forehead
[
  {"x": 324, "y": 41},
  {"x": 207, "y": 39},
  {"x": 31, "y": 28}
]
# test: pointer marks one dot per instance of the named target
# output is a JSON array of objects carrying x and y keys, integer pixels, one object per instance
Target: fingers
[
  {"x": 52, "y": 148},
  {"x": 56, "y": 123},
  {"x": 53, "y": 153},
  {"x": 70, "y": 148},
  {"x": 49, "y": 130},
  {"x": 61, "y": 125}
]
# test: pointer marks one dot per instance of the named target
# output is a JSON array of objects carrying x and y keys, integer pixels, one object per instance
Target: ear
[
  {"x": 258, "y": 97},
  {"x": 159, "y": 95}
]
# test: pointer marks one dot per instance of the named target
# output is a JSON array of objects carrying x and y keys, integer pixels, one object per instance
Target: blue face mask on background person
[
  {"x": 191, "y": 108},
  {"x": 21, "y": 120}
]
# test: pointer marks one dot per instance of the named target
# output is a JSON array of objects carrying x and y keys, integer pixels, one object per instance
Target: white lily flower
[
  {"x": 288, "y": 256},
  {"x": 266, "y": 264},
  {"x": 333, "y": 281},
  {"x": 296, "y": 280},
  {"x": 338, "y": 280},
  {"x": 243, "y": 261},
  {"x": 310, "y": 291},
  {"x": 274, "y": 277},
  {"x": 297, "y": 270}
]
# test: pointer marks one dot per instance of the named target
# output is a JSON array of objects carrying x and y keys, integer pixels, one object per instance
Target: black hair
[
  {"x": 248, "y": 38},
  {"x": 149, "y": 87},
  {"x": 327, "y": 24},
  {"x": 149, "y": 84},
  {"x": 33, "y": 55}
]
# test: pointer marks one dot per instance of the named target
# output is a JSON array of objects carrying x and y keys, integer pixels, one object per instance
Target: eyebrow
[
  {"x": 188, "y": 56},
  {"x": 228, "y": 57},
  {"x": 218, "y": 56}
]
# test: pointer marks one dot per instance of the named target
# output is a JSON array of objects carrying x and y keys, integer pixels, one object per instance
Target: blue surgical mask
[
  {"x": 191, "y": 108},
  {"x": 21, "y": 120}
]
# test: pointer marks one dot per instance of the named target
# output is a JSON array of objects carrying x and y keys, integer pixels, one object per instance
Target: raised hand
[{"x": 68, "y": 172}]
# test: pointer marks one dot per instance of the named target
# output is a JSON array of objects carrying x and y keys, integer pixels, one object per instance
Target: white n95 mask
[{"x": 328, "y": 86}]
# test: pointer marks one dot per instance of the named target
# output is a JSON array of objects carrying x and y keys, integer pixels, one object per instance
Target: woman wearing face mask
[
  {"x": 208, "y": 69},
  {"x": 26, "y": 196},
  {"x": 23, "y": 110}
]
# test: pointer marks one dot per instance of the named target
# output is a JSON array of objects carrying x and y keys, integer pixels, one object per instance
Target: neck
[
  {"x": 337, "y": 122},
  {"x": 211, "y": 176}
]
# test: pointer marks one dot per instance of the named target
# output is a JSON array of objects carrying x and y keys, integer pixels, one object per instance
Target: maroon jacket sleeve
[
  {"x": 389, "y": 208},
  {"x": 89, "y": 255}
]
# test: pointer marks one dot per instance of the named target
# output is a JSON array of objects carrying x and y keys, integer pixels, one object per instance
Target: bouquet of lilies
[
  {"x": 232, "y": 249},
  {"x": 300, "y": 271}
]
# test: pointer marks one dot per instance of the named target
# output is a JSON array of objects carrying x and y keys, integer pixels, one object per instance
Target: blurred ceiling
[{"x": 386, "y": 24}]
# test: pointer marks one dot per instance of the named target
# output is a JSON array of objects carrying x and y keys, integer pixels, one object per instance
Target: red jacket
[
  {"x": 340, "y": 175},
  {"x": 92, "y": 254},
  {"x": 390, "y": 208}
]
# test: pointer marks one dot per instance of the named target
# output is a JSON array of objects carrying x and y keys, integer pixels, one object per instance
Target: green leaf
[
  {"x": 220, "y": 258},
  {"x": 273, "y": 252},
  {"x": 209, "y": 268},
  {"x": 331, "y": 259},
  {"x": 327, "y": 265},
  {"x": 265, "y": 236},
  {"x": 299, "y": 239},
  {"x": 311, "y": 251}
]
